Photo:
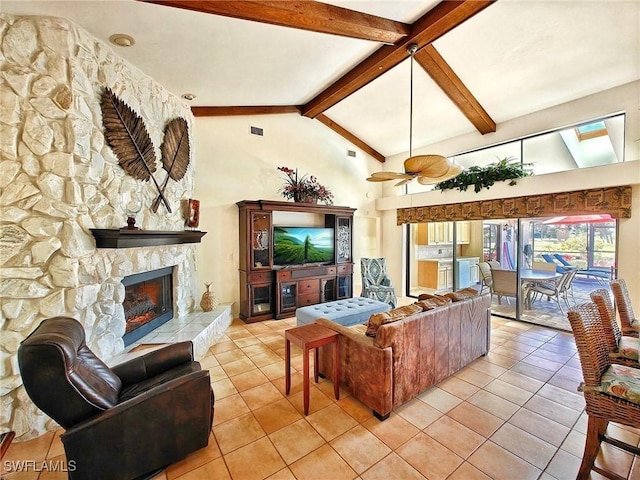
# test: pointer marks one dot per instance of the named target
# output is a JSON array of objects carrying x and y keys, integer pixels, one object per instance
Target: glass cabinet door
[
  {"x": 344, "y": 286},
  {"x": 260, "y": 240},
  {"x": 288, "y": 296},
  {"x": 260, "y": 299},
  {"x": 343, "y": 239}
]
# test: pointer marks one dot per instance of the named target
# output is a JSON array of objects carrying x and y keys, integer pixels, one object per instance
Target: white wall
[
  {"x": 624, "y": 98},
  {"x": 234, "y": 165}
]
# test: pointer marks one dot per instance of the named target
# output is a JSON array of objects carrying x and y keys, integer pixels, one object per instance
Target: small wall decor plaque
[{"x": 193, "y": 213}]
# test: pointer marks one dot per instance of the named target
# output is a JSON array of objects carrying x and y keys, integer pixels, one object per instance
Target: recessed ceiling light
[
  {"x": 122, "y": 40},
  {"x": 188, "y": 96}
]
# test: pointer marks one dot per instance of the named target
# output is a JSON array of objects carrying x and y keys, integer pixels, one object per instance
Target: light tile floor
[{"x": 514, "y": 415}]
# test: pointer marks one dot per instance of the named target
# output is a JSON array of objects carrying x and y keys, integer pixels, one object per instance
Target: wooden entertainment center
[{"x": 270, "y": 291}]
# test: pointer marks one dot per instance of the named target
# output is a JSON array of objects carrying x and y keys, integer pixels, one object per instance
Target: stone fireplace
[{"x": 58, "y": 180}]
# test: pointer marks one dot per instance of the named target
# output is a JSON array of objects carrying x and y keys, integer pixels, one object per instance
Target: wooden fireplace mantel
[{"x": 123, "y": 238}]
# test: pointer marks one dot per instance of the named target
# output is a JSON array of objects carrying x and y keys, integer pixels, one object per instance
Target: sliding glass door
[{"x": 448, "y": 256}]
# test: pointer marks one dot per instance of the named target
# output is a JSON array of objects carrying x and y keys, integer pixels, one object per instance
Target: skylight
[{"x": 591, "y": 130}]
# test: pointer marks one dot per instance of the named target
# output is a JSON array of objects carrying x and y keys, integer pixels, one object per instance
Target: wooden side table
[{"x": 308, "y": 337}]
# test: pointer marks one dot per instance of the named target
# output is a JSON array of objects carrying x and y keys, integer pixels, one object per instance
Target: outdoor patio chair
[
  {"x": 628, "y": 321},
  {"x": 546, "y": 266},
  {"x": 558, "y": 290},
  {"x": 600, "y": 273},
  {"x": 505, "y": 284},
  {"x": 611, "y": 392},
  {"x": 622, "y": 349},
  {"x": 485, "y": 276},
  {"x": 495, "y": 265}
]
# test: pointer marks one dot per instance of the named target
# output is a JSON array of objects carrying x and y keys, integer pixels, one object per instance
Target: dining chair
[
  {"x": 611, "y": 392},
  {"x": 557, "y": 290},
  {"x": 622, "y": 349},
  {"x": 505, "y": 284},
  {"x": 545, "y": 266},
  {"x": 495, "y": 265},
  {"x": 628, "y": 321},
  {"x": 485, "y": 276}
]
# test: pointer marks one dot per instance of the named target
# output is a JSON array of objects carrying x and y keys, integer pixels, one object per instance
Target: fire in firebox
[
  {"x": 138, "y": 309},
  {"x": 148, "y": 302}
]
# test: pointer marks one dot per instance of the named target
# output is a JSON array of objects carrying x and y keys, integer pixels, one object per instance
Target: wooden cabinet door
[
  {"x": 421, "y": 234},
  {"x": 449, "y": 277},
  {"x": 462, "y": 232},
  {"x": 442, "y": 278}
]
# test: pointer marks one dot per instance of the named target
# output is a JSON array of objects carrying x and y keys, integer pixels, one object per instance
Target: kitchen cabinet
[
  {"x": 463, "y": 235},
  {"x": 467, "y": 273},
  {"x": 435, "y": 274},
  {"x": 441, "y": 233}
]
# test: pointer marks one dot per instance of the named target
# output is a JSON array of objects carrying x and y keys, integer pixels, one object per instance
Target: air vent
[
  {"x": 257, "y": 131},
  {"x": 351, "y": 153}
]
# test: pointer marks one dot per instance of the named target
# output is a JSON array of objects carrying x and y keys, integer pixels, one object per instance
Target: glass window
[{"x": 597, "y": 142}]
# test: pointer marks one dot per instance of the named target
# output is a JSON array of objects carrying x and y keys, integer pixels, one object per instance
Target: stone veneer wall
[{"x": 58, "y": 179}]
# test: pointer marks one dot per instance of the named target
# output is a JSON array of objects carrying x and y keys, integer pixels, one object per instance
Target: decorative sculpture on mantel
[
  {"x": 175, "y": 154},
  {"x": 129, "y": 139},
  {"x": 127, "y": 136}
]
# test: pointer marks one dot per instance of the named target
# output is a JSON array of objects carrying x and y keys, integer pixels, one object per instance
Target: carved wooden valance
[{"x": 616, "y": 201}]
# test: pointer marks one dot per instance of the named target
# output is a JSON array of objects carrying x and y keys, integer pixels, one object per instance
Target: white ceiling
[{"x": 516, "y": 57}]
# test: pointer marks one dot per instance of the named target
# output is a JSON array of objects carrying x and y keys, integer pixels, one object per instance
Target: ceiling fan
[{"x": 427, "y": 169}]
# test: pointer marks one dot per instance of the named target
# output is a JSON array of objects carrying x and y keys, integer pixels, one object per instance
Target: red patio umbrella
[{"x": 574, "y": 219}]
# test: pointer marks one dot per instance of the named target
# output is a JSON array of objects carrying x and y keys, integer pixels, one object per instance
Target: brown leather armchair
[{"x": 122, "y": 422}]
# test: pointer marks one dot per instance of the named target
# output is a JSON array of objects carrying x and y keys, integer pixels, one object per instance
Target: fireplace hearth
[{"x": 148, "y": 302}]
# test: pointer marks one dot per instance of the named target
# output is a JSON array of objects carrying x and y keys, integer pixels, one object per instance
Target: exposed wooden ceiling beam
[
  {"x": 431, "y": 26},
  {"x": 244, "y": 110},
  {"x": 440, "y": 71},
  {"x": 304, "y": 15},
  {"x": 350, "y": 136}
]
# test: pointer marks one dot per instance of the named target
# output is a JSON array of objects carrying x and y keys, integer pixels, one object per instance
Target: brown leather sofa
[
  {"x": 122, "y": 422},
  {"x": 408, "y": 356}
]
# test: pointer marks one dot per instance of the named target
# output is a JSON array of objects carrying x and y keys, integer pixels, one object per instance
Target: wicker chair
[
  {"x": 611, "y": 392},
  {"x": 628, "y": 321},
  {"x": 622, "y": 349}
]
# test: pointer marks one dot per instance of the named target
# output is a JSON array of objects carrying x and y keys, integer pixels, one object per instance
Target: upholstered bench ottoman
[{"x": 349, "y": 311}]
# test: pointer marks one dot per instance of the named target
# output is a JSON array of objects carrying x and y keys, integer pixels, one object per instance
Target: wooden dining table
[{"x": 529, "y": 276}]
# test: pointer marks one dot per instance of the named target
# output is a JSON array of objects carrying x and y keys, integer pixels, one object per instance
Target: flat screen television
[{"x": 302, "y": 245}]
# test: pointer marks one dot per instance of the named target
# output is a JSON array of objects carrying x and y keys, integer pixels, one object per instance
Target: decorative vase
[{"x": 209, "y": 300}]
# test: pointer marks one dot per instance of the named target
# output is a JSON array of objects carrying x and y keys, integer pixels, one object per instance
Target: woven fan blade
[
  {"x": 377, "y": 179},
  {"x": 453, "y": 171},
  {"x": 402, "y": 182},
  {"x": 127, "y": 136},
  {"x": 175, "y": 148},
  {"x": 390, "y": 176}
]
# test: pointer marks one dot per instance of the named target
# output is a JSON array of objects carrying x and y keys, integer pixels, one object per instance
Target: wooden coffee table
[{"x": 310, "y": 337}]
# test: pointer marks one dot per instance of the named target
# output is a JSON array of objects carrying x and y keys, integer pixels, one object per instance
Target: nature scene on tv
[{"x": 300, "y": 245}]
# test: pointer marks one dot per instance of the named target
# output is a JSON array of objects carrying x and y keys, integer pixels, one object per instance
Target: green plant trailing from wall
[{"x": 508, "y": 168}]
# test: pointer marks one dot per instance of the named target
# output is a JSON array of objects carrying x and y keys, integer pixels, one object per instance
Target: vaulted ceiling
[{"x": 345, "y": 63}]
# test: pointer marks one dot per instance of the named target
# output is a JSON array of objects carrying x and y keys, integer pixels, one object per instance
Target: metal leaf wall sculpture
[
  {"x": 127, "y": 136},
  {"x": 175, "y": 153}
]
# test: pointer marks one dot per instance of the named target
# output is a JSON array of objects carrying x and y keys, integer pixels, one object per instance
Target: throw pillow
[
  {"x": 437, "y": 299},
  {"x": 390, "y": 316},
  {"x": 430, "y": 304},
  {"x": 461, "y": 294}
]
